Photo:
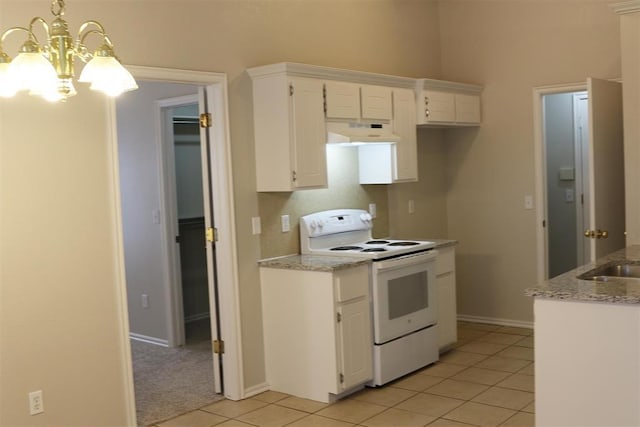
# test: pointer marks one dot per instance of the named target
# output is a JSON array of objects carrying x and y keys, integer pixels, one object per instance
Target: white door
[
  {"x": 310, "y": 135},
  {"x": 206, "y": 124},
  {"x": 607, "y": 204}
]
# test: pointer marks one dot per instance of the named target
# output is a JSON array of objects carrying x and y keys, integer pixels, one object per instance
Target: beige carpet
[{"x": 171, "y": 381}]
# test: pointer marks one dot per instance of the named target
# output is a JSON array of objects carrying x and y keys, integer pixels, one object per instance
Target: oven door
[{"x": 404, "y": 295}]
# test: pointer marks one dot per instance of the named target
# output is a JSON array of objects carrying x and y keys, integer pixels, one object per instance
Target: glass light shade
[
  {"x": 33, "y": 72},
  {"x": 7, "y": 86},
  {"x": 107, "y": 75}
]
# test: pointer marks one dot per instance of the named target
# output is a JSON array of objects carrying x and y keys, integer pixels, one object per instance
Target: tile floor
[{"x": 486, "y": 380}]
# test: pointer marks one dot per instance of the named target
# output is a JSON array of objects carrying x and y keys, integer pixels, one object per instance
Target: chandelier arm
[
  {"x": 84, "y": 26},
  {"x": 14, "y": 29},
  {"x": 44, "y": 25}
]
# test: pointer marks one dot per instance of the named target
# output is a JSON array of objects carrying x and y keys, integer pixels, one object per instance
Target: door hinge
[
  {"x": 544, "y": 223},
  {"x": 341, "y": 378},
  {"x": 218, "y": 346},
  {"x": 339, "y": 317},
  {"x": 324, "y": 99},
  {"x": 205, "y": 120},
  {"x": 211, "y": 234},
  {"x": 291, "y": 89},
  {"x": 294, "y": 176},
  {"x": 177, "y": 239}
]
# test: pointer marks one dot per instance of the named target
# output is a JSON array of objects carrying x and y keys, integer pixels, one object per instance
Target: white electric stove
[{"x": 403, "y": 287}]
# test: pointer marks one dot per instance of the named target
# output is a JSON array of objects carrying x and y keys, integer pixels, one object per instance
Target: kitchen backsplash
[{"x": 344, "y": 192}]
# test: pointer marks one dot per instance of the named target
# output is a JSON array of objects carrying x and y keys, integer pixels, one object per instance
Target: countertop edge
[{"x": 567, "y": 286}]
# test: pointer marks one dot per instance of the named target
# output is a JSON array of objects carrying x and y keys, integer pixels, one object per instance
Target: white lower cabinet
[
  {"x": 447, "y": 312},
  {"x": 317, "y": 331}
]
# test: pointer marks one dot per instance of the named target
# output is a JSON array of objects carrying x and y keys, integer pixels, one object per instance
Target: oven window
[{"x": 408, "y": 294}]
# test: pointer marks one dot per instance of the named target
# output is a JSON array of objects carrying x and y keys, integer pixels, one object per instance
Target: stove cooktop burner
[
  {"x": 346, "y": 248},
  {"x": 374, "y": 250},
  {"x": 404, "y": 244},
  {"x": 377, "y": 242}
]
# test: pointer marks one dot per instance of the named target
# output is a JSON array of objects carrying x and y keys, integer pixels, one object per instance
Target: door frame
[
  {"x": 581, "y": 153},
  {"x": 542, "y": 241},
  {"x": 224, "y": 215}
]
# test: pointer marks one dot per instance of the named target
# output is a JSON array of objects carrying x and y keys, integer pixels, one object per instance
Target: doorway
[
  {"x": 144, "y": 176},
  {"x": 565, "y": 122},
  {"x": 586, "y": 177}
]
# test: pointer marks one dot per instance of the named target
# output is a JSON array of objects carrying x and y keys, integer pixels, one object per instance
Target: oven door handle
[{"x": 406, "y": 260}]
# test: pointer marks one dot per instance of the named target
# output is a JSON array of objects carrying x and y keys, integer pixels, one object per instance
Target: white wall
[{"x": 140, "y": 190}]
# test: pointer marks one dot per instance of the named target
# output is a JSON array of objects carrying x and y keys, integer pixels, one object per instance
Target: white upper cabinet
[
  {"x": 342, "y": 100},
  {"x": 294, "y": 103},
  {"x": 376, "y": 102},
  {"x": 404, "y": 125},
  {"x": 439, "y": 106},
  {"x": 289, "y": 131},
  {"x": 448, "y": 104},
  {"x": 467, "y": 108},
  {"x": 352, "y": 101}
]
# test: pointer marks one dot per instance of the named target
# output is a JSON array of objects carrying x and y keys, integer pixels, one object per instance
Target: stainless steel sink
[{"x": 614, "y": 269}]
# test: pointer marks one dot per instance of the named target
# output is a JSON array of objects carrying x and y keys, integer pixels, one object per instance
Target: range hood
[{"x": 360, "y": 133}]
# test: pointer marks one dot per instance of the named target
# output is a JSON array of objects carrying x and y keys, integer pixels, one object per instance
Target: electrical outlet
[
  {"x": 372, "y": 210},
  {"x": 36, "y": 402},
  {"x": 284, "y": 221},
  {"x": 412, "y": 206}
]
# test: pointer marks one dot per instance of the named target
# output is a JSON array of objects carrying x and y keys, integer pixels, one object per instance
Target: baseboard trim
[
  {"x": 148, "y": 339},
  {"x": 256, "y": 389},
  {"x": 495, "y": 321}
]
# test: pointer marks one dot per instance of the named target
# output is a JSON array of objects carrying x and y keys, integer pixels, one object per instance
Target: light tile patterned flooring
[{"x": 486, "y": 380}]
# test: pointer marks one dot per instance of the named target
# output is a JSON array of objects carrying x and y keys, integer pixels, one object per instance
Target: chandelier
[{"x": 47, "y": 70}]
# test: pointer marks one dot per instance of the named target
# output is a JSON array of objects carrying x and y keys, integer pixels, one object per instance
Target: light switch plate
[
  {"x": 256, "y": 226},
  {"x": 528, "y": 202}
]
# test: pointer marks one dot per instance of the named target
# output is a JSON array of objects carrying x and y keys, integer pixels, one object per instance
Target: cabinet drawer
[
  {"x": 352, "y": 283},
  {"x": 445, "y": 261}
]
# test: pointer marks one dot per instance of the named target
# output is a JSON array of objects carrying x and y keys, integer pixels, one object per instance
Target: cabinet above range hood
[{"x": 360, "y": 133}]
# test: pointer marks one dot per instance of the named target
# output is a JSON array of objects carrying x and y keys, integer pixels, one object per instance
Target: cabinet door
[
  {"x": 467, "y": 108},
  {"x": 404, "y": 125},
  {"x": 342, "y": 100},
  {"x": 447, "y": 317},
  {"x": 308, "y": 133},
  {"x": 355, "y": 343},
  {"x": 439, "y": 106},
  {"x": 376, "y": 102}
]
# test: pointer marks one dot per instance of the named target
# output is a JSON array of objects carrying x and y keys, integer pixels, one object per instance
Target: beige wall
[
  {"x": 510, "y": 47},
  {"x": 383, "y": 36},
  {"x": 61, "y": 310}
]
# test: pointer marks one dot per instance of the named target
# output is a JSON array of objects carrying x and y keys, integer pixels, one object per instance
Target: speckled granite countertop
[
  {"x": 313, "y": 262},
  {"x": 615, "y": 290},
  {"x": 328, "y": 263}
]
